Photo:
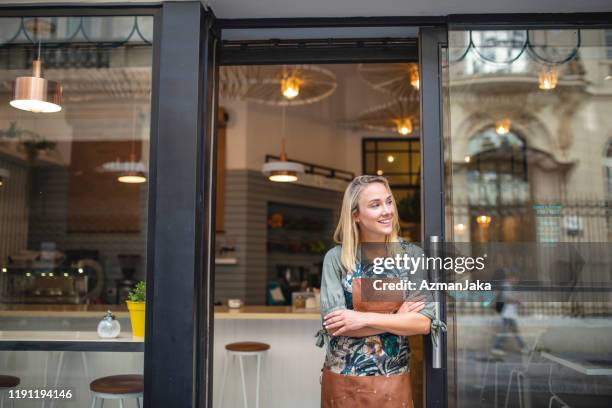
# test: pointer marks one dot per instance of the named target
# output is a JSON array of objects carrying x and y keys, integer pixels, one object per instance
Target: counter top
[
  {"x": 221, "y": 312},
  {"x": 67, "y": 341},
  {"x": 265, "y": 312}
]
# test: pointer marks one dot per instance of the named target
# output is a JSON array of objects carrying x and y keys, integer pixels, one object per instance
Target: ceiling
[{"x": 370, "y": 8}]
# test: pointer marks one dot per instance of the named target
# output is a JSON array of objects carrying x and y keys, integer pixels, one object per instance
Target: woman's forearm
[
  {"x": 364, "y": 332},
  {"x": 401, "y": 324}
]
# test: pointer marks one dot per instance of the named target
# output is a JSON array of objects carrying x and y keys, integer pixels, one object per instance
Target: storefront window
[
  {"x": 74, "y": 160},
  {"x": 528, "y": 118}
]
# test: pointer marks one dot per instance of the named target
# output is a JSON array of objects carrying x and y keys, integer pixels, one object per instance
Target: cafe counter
[
  {"x": 120, "y": 311},
  {"x": 48, "y": 345}
]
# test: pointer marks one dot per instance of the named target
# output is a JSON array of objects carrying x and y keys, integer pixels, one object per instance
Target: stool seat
[
  {"x": 247, "y": 346},
  {"x": 8, "y": 381},
  {"x": 118, "y": 384}
]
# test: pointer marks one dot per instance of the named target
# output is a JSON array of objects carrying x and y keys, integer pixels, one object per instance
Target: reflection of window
[
  {"x": 505, "y": 47},
  {"x": 399, "y": 160},
  {"x": 497, "y": 169}
]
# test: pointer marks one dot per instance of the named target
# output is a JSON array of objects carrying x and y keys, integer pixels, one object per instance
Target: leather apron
[{"x": 352, "y": 391}]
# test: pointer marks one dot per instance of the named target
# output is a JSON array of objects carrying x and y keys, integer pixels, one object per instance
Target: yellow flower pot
[{"x": 137, "y": 317}]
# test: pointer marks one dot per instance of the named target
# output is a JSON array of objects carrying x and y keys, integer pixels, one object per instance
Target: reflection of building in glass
[{"x": 529, "y": 132}]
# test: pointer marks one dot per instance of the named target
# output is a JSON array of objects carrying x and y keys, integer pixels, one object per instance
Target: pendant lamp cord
[
  {"x": 283, "y": 153},
  {"x": 133, "y": 141}
]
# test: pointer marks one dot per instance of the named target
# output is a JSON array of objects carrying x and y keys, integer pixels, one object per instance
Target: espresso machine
[{"x": 70, "y": 277}]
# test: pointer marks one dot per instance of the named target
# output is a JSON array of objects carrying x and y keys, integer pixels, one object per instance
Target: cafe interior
[{"x": 74, "y": 172}]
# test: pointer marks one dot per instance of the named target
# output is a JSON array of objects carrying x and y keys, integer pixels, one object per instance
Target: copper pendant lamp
[
  {"x": 283, "y": 170},
  {"x": 35, "y": 93}
]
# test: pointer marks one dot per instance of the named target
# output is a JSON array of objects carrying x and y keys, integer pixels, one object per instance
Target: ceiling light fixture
[
  {"x": 483, "y": 219},
  {"x": 502, "y": 126},
  {"x": 404, "y": 126},
  {"x": 35, "y": 93},
  {"x": 135, "y": 173},
  {"x": 548, "y": 78},
  {"x": 414, "y": 77},
  {"x": 283, "y": 170},
  {"x": 290, "y": 87}
]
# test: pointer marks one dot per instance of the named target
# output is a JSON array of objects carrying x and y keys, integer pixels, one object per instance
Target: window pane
[
  {"x": 529, "y": 129},
  {"x": 74, "y": 176}
]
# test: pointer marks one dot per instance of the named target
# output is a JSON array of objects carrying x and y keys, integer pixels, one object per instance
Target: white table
[
  {"x": 577, "y": 362},
  {"x": 62, "y": 341}
]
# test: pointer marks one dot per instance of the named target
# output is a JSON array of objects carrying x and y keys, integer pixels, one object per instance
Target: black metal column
[
  {"x": 432, "y": 181},
  {"x": 177, "y": 212}
]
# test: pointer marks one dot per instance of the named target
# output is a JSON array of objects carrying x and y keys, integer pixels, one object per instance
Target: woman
[{"x": 367, "y": 358}]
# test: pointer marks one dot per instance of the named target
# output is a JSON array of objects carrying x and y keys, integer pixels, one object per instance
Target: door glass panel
[{"x": 528, "y": 161}]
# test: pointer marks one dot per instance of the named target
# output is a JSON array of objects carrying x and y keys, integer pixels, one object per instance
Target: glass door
[
  {"x": 528, "y": 163},
  {"x": 432, "y": 43}
]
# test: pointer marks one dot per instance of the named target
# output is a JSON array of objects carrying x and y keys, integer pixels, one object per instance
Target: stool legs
[
  {"x": 224, "y": 377},
  {"x": 119, "y": 397},
  {"x": 226, "y": 368},
  {"x": 258, "y": 380},
  {"x": 244, "y": 391}
]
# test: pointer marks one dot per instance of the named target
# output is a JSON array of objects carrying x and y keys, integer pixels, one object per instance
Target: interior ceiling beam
[{"x": 330, "y": 51}]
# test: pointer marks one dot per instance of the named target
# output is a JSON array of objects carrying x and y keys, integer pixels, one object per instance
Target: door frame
[{"x": 431, "y": 37}]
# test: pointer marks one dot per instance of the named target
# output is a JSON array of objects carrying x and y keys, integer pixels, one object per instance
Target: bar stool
[
  {"x": 7, "y": 382},
  {"x": 117, "y": 387},
  {"x": 241, "y": 350}
]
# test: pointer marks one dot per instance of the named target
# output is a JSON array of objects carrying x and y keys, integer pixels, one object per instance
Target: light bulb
[
  {"x": 547, "y": 79},
  {"x": 390, "y": 159},
  {"x": 414, "y": 77},
  {"x": 283, "y": 178},
  {"x": 290, "y": 87},
  {"x": 132, "y": 178},
  {"x": 502, "y": 126},
  {"x": 483, "y": 219},
  {"x": 404, "y": 126}
]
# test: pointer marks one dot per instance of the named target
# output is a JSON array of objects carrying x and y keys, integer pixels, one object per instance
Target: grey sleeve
[
  {"x": 332, "y": 294},
  {"x": 430, "y": 307},
  {"x": 419, "y": 276}
]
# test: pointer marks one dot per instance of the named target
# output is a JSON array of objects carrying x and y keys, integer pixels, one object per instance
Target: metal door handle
[{"x": 435, "y": 250}]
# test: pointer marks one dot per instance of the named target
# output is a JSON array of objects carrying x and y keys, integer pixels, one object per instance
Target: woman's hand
[
  {"x": 341, "y": 321},
  {"x": 413, "y": 306}
]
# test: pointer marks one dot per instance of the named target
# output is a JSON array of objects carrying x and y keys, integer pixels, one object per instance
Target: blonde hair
[{"x": 347, "y": 230}]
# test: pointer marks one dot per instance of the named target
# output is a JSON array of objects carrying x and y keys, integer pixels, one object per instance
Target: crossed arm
[{"x": 406, "y": 322}]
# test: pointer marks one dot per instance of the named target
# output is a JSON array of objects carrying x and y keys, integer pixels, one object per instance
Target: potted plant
[{"x": 136, "y": 306}]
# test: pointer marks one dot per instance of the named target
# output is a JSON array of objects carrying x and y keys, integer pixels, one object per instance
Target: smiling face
[{"x": 375, "y": 213}]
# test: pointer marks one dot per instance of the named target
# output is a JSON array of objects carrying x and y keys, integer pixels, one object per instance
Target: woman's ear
[{"x": 356, "y": 217}]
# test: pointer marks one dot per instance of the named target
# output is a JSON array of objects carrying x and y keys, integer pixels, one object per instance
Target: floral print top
[{"x": 381, "y": 354}]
